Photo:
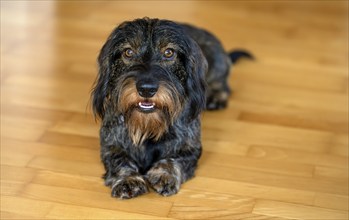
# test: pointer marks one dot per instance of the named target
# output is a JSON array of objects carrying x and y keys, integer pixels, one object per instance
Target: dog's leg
[
  {"x": 218, "y": 93},
  {"x": 122, "y": 174},
  {"x": 167, "y": 175},
  {"x": 218, "y": 90}
]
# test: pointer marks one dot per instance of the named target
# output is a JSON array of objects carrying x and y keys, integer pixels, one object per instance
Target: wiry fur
[
  {"x": 152, "y": 125},
  {"x": 156, "y": 149}
]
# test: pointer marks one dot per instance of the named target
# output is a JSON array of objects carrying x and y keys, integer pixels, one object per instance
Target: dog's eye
[
  {"x": 129, "y": 53},
  {"x": 169, "y": 53}
]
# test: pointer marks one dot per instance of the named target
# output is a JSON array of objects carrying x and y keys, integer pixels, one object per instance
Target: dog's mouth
[{"x": 146, "y": 106}]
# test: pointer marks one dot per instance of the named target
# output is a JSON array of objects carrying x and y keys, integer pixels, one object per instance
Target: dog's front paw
[
  {"x": 129, "y": 187},
  {"x": 164, "y": 181}
]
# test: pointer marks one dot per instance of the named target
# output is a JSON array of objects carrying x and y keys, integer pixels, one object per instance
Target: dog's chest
[{"x": 146, "y": 155}]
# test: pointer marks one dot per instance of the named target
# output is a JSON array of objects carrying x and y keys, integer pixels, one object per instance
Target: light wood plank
[
  {"x": 11, "y": 188},
  {"x": 57, "y": 151},
  {"x": 297, "y": 156},
  {"x": 96, "y": 200},
  {"x": 23, "y": 207},
  {"x": 288, "y": 210},
  {"x": 339, "y": 202},
  {"x": 261, "y": 134},
  {"x": 68, "y": 166},
  {"x": 61, "y": 211},
  {"x": 250, "y": 190},
  {"x": 274, "y": 179},
  {"x": 52, "y": 137},
  {"x": 284, "y": 168},
  {"x": 331, "y": 173}
]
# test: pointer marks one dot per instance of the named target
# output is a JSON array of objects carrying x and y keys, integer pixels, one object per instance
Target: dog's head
[{"x": 152, "y": 73}]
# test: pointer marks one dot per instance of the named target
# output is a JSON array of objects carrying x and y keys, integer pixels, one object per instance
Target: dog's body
[{"x": 155, "y": 78}]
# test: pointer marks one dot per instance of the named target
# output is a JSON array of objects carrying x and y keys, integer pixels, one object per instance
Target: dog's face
[{"x": 152, "y": 73}]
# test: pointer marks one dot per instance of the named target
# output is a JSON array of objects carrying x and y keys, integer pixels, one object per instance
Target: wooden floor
[{"x": 280, "y": 150}]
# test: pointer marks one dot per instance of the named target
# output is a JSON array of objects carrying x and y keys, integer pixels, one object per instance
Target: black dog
[{"x": 155, "y": 78}]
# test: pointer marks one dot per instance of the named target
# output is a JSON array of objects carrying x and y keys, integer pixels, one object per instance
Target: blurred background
[
  {"x": 279, "y": 150},
  {"x": 62, "y": 38}
]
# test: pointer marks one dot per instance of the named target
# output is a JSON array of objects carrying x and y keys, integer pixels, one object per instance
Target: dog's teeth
[{"x": 146, "y": 105}]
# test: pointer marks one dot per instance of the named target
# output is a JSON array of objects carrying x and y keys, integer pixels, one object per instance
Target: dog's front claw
[
  {"x": 129, "y": 187},
  {"x": 163, "y": 183}
]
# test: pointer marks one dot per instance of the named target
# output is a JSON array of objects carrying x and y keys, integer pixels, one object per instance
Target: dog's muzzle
[{"x": 147, "y": 89}]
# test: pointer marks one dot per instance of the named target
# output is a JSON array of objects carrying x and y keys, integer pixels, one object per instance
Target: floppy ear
[
  {"x": 101, "y": 89},
  {"x": 196, "y": 69}
]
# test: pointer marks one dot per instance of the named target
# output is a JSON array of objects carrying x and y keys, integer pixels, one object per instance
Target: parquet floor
[{"x": 280, "y": 150}]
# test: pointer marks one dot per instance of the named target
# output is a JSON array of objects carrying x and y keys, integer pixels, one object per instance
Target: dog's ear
[
  {"x": 100, "y": 91},
  {"x": 196, "y": 68}
]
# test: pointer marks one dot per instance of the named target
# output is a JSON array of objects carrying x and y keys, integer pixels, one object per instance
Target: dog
[{"x": 155, "y": 78}]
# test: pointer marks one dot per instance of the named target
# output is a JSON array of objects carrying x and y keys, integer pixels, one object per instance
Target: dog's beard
[{"x": 148, "y": 118}]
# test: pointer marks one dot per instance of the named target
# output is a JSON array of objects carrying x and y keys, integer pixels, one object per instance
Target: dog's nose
[{"x": 147, "y": 89}]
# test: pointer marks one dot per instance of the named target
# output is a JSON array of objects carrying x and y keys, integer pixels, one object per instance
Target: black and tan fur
[{"x": 155, "y": 78}]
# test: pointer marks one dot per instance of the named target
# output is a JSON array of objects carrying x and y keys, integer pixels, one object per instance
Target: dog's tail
[{"x": 236, "y": 55}]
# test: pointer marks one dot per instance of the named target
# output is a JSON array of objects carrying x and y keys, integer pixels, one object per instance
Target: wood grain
[{"x": 279, "y": 151}]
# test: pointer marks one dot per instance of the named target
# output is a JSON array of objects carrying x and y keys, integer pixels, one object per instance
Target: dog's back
[{"x": 219, "y": 64}]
